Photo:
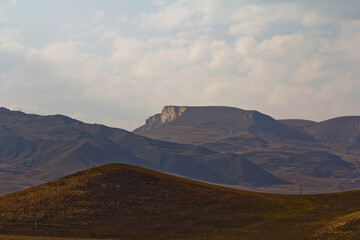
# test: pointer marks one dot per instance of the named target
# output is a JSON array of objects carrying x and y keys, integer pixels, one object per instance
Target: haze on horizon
[{"x": 118, "y": 62}]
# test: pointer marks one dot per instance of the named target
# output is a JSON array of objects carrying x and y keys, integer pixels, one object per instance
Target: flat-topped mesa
[{"x": 168, "y": 114}]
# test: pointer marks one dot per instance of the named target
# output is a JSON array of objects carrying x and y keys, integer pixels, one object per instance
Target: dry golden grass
[
  {"x": 336, "y": 229},
  {"x": 125, "y": 202},
  {"x": 12, "y": 237}
]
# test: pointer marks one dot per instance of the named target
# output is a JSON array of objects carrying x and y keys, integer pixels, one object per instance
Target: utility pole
[{"x": 300, "y": 189}]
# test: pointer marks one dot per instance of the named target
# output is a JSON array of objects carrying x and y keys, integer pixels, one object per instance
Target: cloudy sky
[{"x": 116, "y": 62}]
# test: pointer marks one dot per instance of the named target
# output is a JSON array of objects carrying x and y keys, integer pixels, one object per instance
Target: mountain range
[
  {"x": 321, "y": 156},
  {"x": 222, "y": 145},
  {"x": 35, "y": 149}
]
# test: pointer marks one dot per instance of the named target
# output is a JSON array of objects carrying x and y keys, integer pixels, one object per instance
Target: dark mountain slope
[
  {"x": 43, "y": 148},
  {"x": 240, "y": 169},
  {"x": 337, "y": 130},
  {"x": 209, "y": 124},
  {"x": 319, "y": 164},
  {"x": 299, "y": 124},
  {"x": 125, "y": 202}
]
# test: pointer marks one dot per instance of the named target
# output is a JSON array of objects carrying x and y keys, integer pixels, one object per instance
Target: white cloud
[
  {"x": 312, "y": 69},
  {"x": 2, "y": 19},
  {"x": 315, "y": 18},
  {"x": 124, "y": 19},
  {"x": 245, "y": 45},
  {"x": 98, "y": 16},
  {"x": 173, "y": 16},
  {"x": 127, "y": 49},
  {"x": 192, "y": 53},
  {"x": 64, "y": 52},
  {"x": 247, "y": 28},
  {"x": 8, "y": 38}
]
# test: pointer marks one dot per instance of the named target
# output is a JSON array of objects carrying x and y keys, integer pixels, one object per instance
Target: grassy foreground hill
[{"x": 125, "y": 202}]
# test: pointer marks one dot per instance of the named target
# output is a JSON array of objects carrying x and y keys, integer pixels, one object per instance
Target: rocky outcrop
[{"x": 168, "y": 114}]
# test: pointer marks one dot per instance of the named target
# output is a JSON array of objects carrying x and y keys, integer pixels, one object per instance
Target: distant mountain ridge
[
  {"x": 222, "y": 145},
  {"x": 168, "y": 114},
  {"x": 221, "y": 121},
  {"x": 299, "y": 124},
  {"x": 300, "y": 151},
  {"x": 35, "y": 149},
  {"x": 337, "y": 130},
  {"x": 342, "y": 129}
]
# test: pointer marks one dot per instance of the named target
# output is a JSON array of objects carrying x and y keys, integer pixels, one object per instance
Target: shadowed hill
[
  {"x": 318, "y": 164},
  {"x": 35, "y": 149},
  {"x": 199, "y": 125},
  {"x": 299, "y": 124},
  {"x": 126, "y": 202},
  {"x": 337, "y": 130}
]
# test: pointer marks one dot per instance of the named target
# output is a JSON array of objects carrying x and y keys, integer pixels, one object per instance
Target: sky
[{"x": 117, "y": 62}]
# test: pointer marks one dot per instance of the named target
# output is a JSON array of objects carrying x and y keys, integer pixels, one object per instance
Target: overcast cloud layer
[{"x": 118, "y": 62}]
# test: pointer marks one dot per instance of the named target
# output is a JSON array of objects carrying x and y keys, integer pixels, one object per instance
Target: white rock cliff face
[{"x": 168, "y": 114}]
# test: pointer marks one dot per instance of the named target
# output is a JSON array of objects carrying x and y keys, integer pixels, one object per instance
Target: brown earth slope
[
  {"x": 299, "y": 124},
  {"x": 337, "y": 130},
  {"x": 126, "y": 202}
]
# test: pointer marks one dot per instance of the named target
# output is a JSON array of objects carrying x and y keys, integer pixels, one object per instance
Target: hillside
[
  {"x": 198, "y": 125},
  {"x": 322, "y": 156},
  {"x": 35, "y": 149},
  {"x": 127, "y": 202},
  {"x": 337, "y": 130},
  {"x": 299, "y": 124},
  {"x": 235, "y": 147}
]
